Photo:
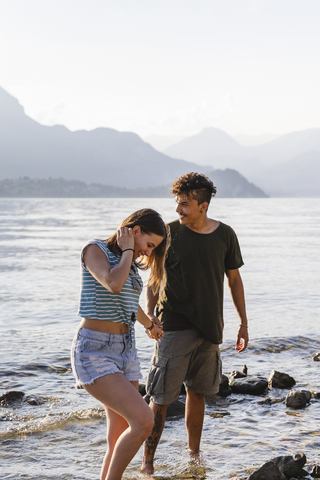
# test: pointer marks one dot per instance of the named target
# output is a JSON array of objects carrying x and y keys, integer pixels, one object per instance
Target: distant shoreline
[
  {"x": 60, "y": 188},
  {"x": 26, "y": 187}
]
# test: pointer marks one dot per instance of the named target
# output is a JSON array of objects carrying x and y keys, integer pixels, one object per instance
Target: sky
[{"x": 166, "y": 67}]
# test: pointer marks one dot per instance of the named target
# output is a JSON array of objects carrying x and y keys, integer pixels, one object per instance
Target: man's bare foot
[
  {"x": 147, "y": 467},
  {"x": 194, "y": 453}
]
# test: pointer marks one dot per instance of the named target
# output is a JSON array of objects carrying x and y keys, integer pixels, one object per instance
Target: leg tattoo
[{"x": 153, "y": 439}]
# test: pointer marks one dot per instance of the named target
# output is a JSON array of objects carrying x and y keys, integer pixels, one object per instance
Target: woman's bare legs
[
  {"x": 122, "y": 401},
  {"x": 116, "y": 425}
]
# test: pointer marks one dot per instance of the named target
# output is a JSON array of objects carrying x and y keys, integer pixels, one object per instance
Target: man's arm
[
  {"x": 237, "y": 295},
  {"x": 150, "y": 304}
]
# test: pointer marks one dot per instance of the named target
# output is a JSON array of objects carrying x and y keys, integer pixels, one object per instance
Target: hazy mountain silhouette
[
  {"x": 297, "y": 177},
  {"x": 208, "y": 143},
  {"x": 286, "y": 164},
  {"x": 103, "y": 156},
  {"x": 247, "y": 140},
  {"x": 161, "y": 142}
]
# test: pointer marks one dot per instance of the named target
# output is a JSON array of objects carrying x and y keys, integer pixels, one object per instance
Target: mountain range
[
  {"x": 102, "y": 155},
  {"x": 286, "y": 166},
  {"x": 104, "y": 160}
]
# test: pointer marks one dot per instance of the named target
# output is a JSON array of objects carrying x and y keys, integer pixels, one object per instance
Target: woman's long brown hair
[{"x": 149, "y": 222}]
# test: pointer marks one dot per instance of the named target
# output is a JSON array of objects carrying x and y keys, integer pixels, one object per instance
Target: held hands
[
  {"x": 156, "y": 331},
  {"x": 242, "y": 338},
  {"x": 125, "y": 238}
]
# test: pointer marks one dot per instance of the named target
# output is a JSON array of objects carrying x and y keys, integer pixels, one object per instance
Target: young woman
[{"x": 104, "y": 356}]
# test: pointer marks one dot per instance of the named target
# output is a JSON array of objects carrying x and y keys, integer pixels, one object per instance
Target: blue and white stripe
[{"x": 97, "y": 302}]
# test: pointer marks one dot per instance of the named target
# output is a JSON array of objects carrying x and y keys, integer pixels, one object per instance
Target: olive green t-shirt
[{"x": 195, "y": 266}]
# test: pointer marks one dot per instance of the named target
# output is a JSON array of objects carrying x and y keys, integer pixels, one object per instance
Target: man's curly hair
[{"x": 195, "y": 184}]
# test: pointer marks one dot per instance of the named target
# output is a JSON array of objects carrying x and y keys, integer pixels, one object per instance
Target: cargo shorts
[{"x": 183, "y": 356}]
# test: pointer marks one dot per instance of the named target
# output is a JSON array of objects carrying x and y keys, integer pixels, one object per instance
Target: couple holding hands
[{"x": 188, "y": 259}]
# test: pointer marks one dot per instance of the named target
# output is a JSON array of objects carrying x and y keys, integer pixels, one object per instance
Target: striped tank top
[{"x": 98, "y": 303}]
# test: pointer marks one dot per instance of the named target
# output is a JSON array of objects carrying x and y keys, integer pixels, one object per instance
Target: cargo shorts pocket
[{"x": 156, "y": 375}]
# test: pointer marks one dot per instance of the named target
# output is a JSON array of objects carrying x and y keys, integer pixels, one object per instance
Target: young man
[{"x": 190, "y": 309}]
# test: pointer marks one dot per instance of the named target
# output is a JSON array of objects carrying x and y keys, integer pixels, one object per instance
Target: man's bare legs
[
  {"x": 152, "y": 441},
  {"x": 194, "y": 419}
]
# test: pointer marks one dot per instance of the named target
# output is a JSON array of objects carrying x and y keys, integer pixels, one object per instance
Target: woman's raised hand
[{"x": 125, "y": 238}]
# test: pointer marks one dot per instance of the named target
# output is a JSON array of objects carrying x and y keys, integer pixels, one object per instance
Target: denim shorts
[
  {"x": 96, "y": 354},
  {"x": 183, "y": 356}
]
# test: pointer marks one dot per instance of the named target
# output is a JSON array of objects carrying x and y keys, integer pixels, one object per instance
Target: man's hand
[
  {"x": 242, "y": 339},
  {"x": 155, "y": 320},
  {"x": 157, "y": 331}
]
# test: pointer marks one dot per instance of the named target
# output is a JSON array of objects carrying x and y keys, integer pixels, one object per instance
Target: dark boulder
[
  {"x": 224, "y": 388},
  {"x": 176, "y": 409},
  {"x": 268, "y": 471},
  {"x": 280, "y": 380},
  {"x": 142, "y": 389},
  {"x": 183, "y": 390},
  {"x": 250, "y": 385},
  {"x": 315, "y": 472},
  {"x": 315, "y": 394},
  {"x": 10, "y": 397},
  {"x": 298, "y": 398},
  {"x": 291, "y": 466},
  {"x": 237, "y": 374},
  {"x": 316, "y": 357}
]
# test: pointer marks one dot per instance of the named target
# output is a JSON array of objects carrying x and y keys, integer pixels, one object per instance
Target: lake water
[{"x": 63, "y": 437}]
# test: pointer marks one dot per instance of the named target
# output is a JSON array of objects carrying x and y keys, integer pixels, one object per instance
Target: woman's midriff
[{"x": 104, "y": 326}]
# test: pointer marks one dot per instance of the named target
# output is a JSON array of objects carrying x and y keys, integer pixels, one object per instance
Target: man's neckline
[{"x": 216, "y": 226}]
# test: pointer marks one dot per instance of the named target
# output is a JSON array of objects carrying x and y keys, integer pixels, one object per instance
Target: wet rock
[
  {"x": 315, "y": 472},
  {"x": 265, "y": 401},
  {"x": 291, "y": 466},
  {"x": 10, "y": 397},
  {"x": 270, "y": 401},
  {"x": 176, "y": 409},
  {"x": 224, "y": 389},
  {"x": 280, "y": 380},
  {"x": 268, "y": 471},
  {"x": 33, "y": 400},
  {"x": 315, "y": 394},
  {"x": 250, "y": 384},
  {"x": 142, "y": 389},
  {"x": 245, "y": 369},
  {"x": 183, "y": 390},
  {"x": 236, "y": 374},
  {"x": 298, "y": 398},
  {"x": 316, "y": 357}
]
